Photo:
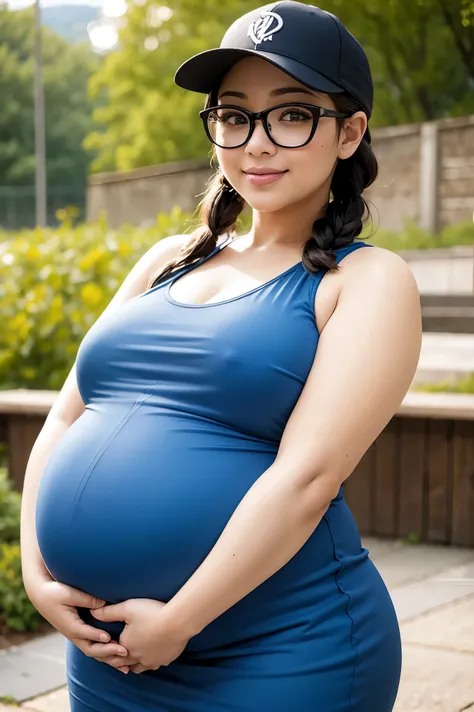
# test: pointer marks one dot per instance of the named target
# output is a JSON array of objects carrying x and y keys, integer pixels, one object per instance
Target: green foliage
[
  {"x": 149, "y": 119},
  {"x": 421, "y": 54},
  {"x": 10, "y": 504},
  {"x": 68, "y": 275},
  {"x": 67, "y": 69},
  {"x": 16, "y": 610},
  {"x": 460, "y": 385},
  {"x": 415, "y": 238},
  {"x": 54, "y": 283},
  {"x": 15, "y": 607}
]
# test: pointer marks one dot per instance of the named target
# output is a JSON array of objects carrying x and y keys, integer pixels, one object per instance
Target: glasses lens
[
  {"x": 290, "y": 126},
  {"x": 228, "y": 127}
]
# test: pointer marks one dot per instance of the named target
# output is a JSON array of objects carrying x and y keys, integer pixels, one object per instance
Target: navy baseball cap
[{"x": 309, "y": 44}]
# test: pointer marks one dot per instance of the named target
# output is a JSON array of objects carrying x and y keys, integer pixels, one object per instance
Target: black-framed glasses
[{"x": 286, "y": 125}]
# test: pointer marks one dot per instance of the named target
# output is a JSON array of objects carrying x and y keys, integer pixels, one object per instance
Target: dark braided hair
[{"x": 345, "y": 216}]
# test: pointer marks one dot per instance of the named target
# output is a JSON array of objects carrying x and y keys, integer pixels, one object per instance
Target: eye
[
  {"x": 234, "y": 118},
  {"x": 295, "y": 114}
]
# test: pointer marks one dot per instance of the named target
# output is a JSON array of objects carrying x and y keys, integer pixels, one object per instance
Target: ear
[{"x": 352, "y": 134}]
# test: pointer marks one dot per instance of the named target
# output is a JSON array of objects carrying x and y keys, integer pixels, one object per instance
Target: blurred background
[{"x": 101, "y": 155}]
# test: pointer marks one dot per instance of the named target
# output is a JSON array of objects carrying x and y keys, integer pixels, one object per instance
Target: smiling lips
[{"x": 263, "y": 176}]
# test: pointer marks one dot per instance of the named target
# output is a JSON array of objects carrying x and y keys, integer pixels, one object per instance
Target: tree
[
  {"x": 420, "y": 63},
  {"x": 147, "y": 118},
  {"x": 419, "y": 74},
  {"x": 66, "y": 72}
]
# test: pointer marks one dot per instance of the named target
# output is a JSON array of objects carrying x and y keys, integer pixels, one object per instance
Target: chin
[
  {"x": 266, "y": 200},
  {"x": 268, "y": 204}
]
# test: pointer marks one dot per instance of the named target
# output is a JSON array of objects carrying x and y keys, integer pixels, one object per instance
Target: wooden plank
[
  {"x": 359, "y": 492},
  {"x": 438, "y": 476},
  {"x": 386, "y": 476},
  {"x": 463, "y": 484},
  {"x": 3, "y": 428},
  {"x": 453, "y": 406},
  {"x": 412, "y": 462},
  {"x": 22, "y": 433},
  {"x": 459, "y": 406},
  {"x": 24, "y": 400}
]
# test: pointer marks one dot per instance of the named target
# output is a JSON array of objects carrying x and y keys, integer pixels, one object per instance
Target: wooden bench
[{"x": 416, "y": 480}]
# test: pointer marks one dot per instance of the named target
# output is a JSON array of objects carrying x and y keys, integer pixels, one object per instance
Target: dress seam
[{"x": 349, "y": 601}]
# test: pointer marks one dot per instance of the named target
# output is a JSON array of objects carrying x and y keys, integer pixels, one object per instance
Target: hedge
[{"x": 55, "y": 282}]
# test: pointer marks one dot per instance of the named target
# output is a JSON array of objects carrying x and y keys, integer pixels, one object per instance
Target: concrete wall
[
  {"x": 137, "y": 196},
  {"x": 456, "y": 168},
  {"x": 426, "y": 174}
]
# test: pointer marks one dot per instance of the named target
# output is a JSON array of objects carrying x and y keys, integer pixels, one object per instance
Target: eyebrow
[{"x": 275, "y": 92}]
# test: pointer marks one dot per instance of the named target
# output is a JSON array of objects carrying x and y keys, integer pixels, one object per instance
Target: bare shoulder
[
  {"x": 162, "y": 251},
  {"x": 375, "y": 261},
  {"x": 364, "y": 275},
  {"x": 377, "y": 272}
]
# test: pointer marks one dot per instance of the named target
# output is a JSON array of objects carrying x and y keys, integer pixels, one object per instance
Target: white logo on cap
[{"x": 263, "y": 29}]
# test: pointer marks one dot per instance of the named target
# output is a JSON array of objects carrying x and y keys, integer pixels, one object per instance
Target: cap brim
[{"x": 203, "y": 72}]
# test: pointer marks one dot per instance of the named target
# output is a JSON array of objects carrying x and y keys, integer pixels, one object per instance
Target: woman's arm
[{"x": 365, "y": 363}]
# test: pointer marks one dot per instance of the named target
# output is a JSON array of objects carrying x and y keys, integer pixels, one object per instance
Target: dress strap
[
  {"x": 340, "y": 254},
  {"x": 187, "y": 268}
]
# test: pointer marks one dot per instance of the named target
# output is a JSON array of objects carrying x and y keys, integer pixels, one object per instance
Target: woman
[{"x": 191, "y": 507}]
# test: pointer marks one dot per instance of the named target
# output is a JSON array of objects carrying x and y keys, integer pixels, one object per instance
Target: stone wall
[
  {"x": 426, "y": 174},
  {"x": 137, "y": 196}
]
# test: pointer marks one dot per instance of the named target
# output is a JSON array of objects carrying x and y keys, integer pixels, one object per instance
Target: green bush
[
  {"x": 15, "y": 607},
  {"x": 16, "y": 610},
  {"x": 415, "y": 238},
  {"x": 10, "y": 504},
  {"x": 54, "y": 283}
]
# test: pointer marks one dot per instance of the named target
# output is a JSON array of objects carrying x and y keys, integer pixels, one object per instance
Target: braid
[
  {"x": 347, "y": 211},
  {"x": 220, "y": 208}
]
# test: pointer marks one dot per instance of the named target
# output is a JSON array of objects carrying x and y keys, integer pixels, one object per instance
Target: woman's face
[{"x": 255, "y": 84}]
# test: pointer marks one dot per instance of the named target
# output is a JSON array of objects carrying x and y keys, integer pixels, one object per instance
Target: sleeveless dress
[{"x": 185, "y": 408}]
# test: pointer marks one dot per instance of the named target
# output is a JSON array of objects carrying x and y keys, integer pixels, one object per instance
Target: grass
[{"x": 462, "y": 385}]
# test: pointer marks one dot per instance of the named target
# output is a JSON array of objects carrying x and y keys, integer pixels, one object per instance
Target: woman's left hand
[{"x": 149, "y": 636}]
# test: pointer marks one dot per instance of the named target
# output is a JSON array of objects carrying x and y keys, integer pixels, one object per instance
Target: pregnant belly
[{"x": 132, "y": 499}]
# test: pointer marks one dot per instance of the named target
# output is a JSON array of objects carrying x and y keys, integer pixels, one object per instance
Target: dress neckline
[{"x": 218, "y": 248}]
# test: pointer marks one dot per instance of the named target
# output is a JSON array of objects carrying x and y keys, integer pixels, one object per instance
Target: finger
[
  {"x": 106, "y": 650},
  {"x": 87, "y": 632},
  {"x": 83, "y": 600},
  {"x": 123, "y": 668},
  {"x": 118, "y": 662},
  {"x": 116, "y": 612}
]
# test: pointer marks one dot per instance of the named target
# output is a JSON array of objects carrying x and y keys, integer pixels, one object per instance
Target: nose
[{"x": 259, "y": 142}]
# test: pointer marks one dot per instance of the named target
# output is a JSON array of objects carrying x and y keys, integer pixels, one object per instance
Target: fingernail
[
  {"x": 124, "y": 670},
  {"x": 123, "y": 652},
  {"x": 104, "y": 637}
]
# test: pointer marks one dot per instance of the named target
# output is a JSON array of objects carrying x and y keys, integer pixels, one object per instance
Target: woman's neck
[{"x": 291, "y": 226}]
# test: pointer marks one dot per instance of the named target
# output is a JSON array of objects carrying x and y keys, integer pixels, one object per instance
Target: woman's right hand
[{"x": 58, "y": 604}]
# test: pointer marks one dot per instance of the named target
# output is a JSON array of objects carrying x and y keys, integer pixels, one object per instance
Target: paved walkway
[{"x": 433, "y": 592}]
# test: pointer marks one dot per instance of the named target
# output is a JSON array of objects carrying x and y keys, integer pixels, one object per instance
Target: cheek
[{"x": 231, "y": 162}]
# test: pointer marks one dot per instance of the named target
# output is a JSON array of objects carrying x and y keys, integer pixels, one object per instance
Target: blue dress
[{"x": 185, "y": 409}]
